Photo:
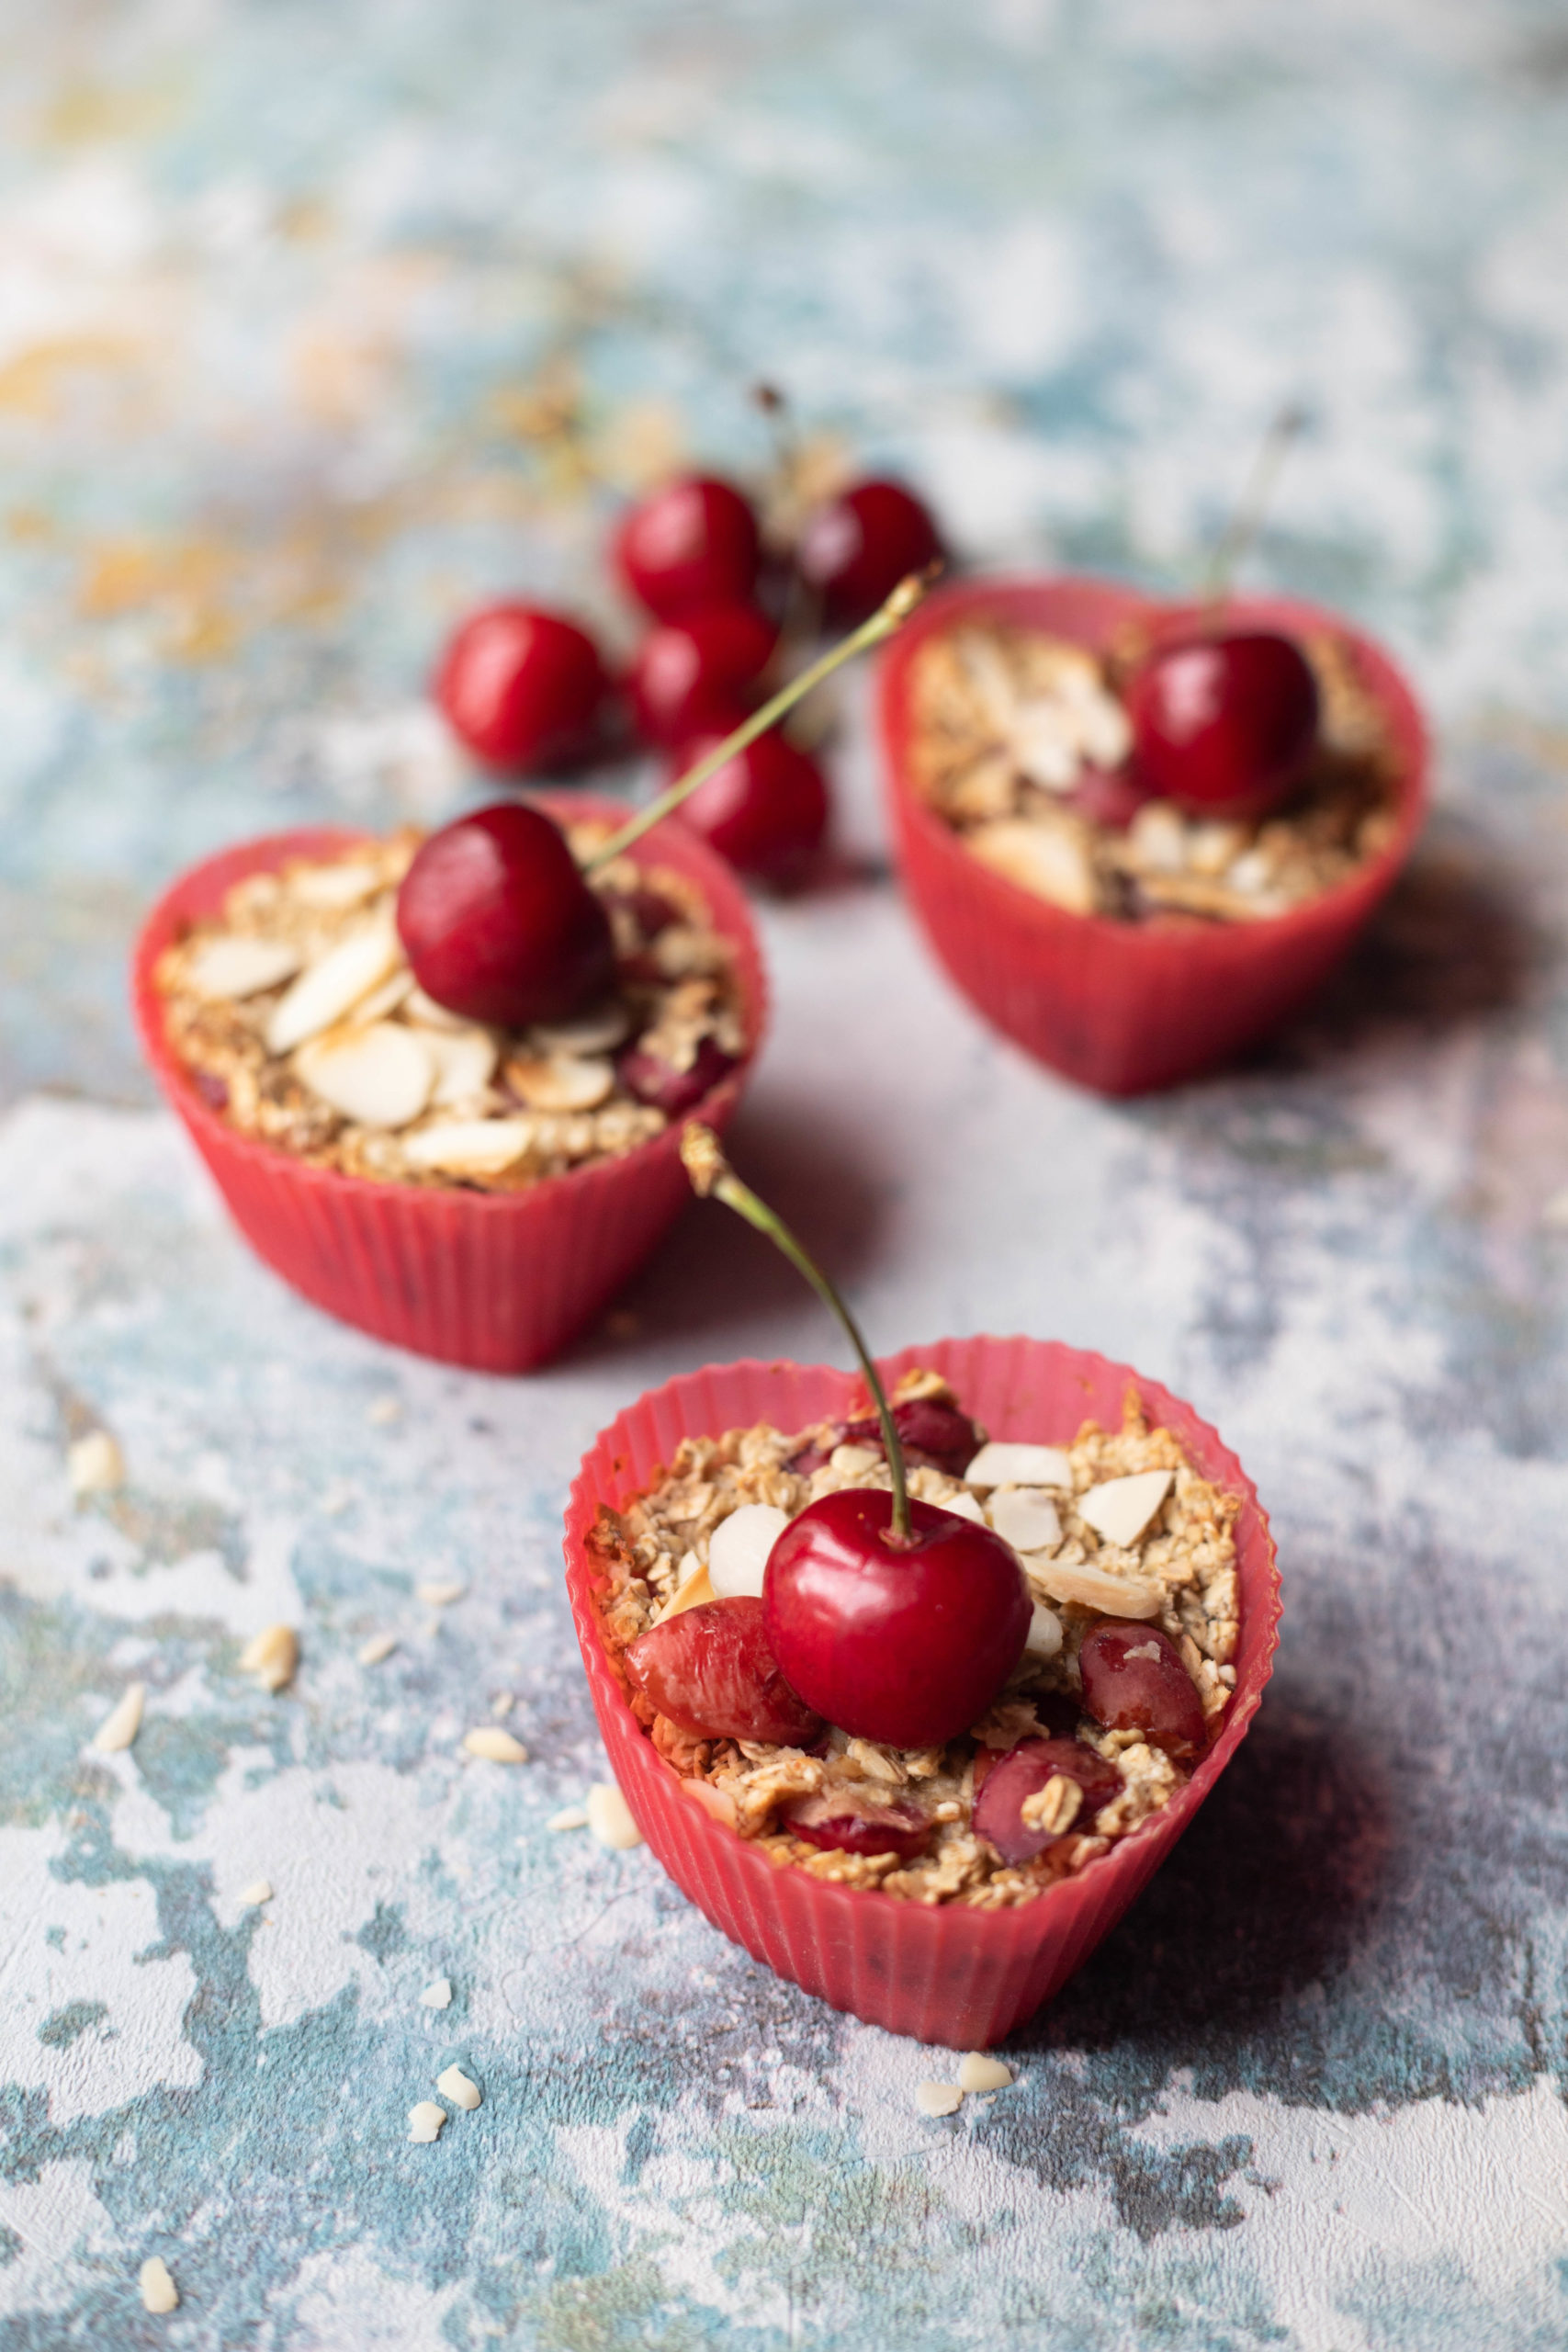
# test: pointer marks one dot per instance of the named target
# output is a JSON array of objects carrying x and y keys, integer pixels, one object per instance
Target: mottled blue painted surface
[{"x": 288, "y": 298}]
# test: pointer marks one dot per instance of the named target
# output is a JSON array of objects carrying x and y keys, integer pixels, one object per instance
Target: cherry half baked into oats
[{"x": 950, "y": 1695}]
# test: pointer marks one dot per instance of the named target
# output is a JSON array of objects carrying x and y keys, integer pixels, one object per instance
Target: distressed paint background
[{"x": 314, "y": 324}]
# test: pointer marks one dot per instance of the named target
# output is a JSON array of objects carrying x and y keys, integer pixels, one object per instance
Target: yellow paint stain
[
  {"x": 86, "y": 113},
  {"x": 185, "y": 586},
  {"x": 28, "y": 526},
  {"x": 33, "y": 383}
]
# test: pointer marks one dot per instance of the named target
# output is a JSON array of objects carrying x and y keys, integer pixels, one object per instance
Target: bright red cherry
[
  {"x": 851, "y": 1824},
  {"x": 1133, "y": 1680},
  {"x": 1223, "y": 723},
  {"x": 694, "y": 543},
  {"x": 765, "y": 810},
  {"x": 855, "y": 550},
  {"x": 1023, "y": 1772},
  {"x": 906, "y": 1644},
  {"x": 711, "y": 1671},
  {"x": 690, "y": 670},
  {"x": 498, "y": 921},
  {"x": 522, "y": 687}
]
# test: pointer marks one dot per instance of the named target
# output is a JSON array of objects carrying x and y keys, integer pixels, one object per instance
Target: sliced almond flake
[
  {"x": 435, "y": 1593},
  {"x": 460, "y": 2088},
  {"x": 1096, "y": 1588},
  {"x": 1050, "y": 860},
  {"x": 384, "y": 1411},
  {"x": 346, "y": 882},
  {"x": 592, "y": 1033},
  {"x": 694, "y": 1587},
  {"x": 386, "y": 998},
  {"x": 503, "y": 1703},
  {"x": 122, "y": 1723},
  {"x": 738, "y": 1549},
  {"x": 1000, "y": 1464},
  {"x": 1043, "y": 743},
  {"x": 561, "y": 1082},
  {"x": 377, "y": 1648},
  {"x": 471, "y": 1147},
  {"x": 379, "y": 1077},
  {"x": 1026, "y": 1518},
  {"x": 159, "y": 2293},
  {"x": 495, "y": 1745},
  {"x": 272, "y": 1656},
  {"x": 610, "y": 1817},
  {"x": 571, "y": 1817},
  {"x": 980, "y": 2072},
  {"x": 963, "y": 1506},
  {"x": 426, "y": 2120},
  {"x": 1120, "y": 1509},
  {"x": 94, "y": 1465},
  {"x": 1105, "y": 732},
  {"x": 235, "y": 965},
  {"x": 465, "y": 1062},
  {"x": 334, "y": 984},
  {"x": 254, "y": 1896},
  {"x": 437, "y": 1995},
  {"x": 1043, "y": 1638},
  {"x": 854, "y": 1460},
  {"x": 938, "y": 2099}
]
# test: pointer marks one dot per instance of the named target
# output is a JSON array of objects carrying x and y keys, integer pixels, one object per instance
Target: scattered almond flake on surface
[
  {"x": 1555, "y": 1213},
  {"x": 1122, "y": 1507},
  {"x": 571, "y": 1817},
  {"x": 437, "y": 1995},
  {"x": 438, "y": 1593},
  {"x": 1026, "y": 1518},
  {"x": 334, "y": 984},
  {"x": 496, "y": 1747},
  {"x": 469, "y": 1146},
  {"x": 159, "y": 2293},
  {"x": 738, "y": 1549},
  {"x": 337, "y": 1498},
  {"x": 384, "y": 1411},
  {"x": 234, "y": 967},
  {"x": 426, "y": 2120},
  {"x": 378, "y": 1647},
  {"x": 938, "y": 2099},
  {"x": 980, "y": 2072},
  {"x": 610, "y": 1817},
  {"x": 122, "y": 1723},
  {"x": 255, "y": 1894},
  {"x": 379, "y": 1077},
  {"x": 273, "y": 1656},
  {"x": 1096, "y": 1588},
  {"x": 460, "y": 2088},
  {"x": 503, "y": 1703},
  {"x": 999, "y": 1465},
  {"x": 94, "y": 1465}
]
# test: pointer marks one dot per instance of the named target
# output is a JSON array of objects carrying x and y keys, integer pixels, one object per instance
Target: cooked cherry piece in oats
[
  {"x": 1223, "y": 723},
  {"x": 903, "y": 1643},
  {"x": 712, "y": 1672},
  {"x": 648, "y": 1078},
  {"x": 499, "y": 923},
  {"x": 765, "y": 809},
  {"x": 934, "y": 1437},
  {"x": 1133, "y": 1680},
  {"x": 869, "y": 1828},
  {"x": 690, "y": 672},
  {"x": 1025, "y": 1771},
  {"x": 521, "y": 686},
  {"x": 691, "y": 545},
  {"x": 855, "y": 550}
]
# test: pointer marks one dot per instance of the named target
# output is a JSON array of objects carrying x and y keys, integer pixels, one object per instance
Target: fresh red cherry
[
  {"x": 855, "y": 550},
  {"x": 694, "y": 543},
  {"x": 1023, "y": 1772},
  {"x": 689, "y": 672},
  {"x": 498, "y": 921},
  {"x": 765, "y": 810},
  {"x": 1133, "y": 1680},
  {"x": 648, "y": 1078},
  {"x": 1223, "y": 723},
  {"x": 905, "y": 1644},
  {"x": 712, "y": 1672},
  {"x": 847, "y": 1823},
  {"x": 522, "y": 687}
]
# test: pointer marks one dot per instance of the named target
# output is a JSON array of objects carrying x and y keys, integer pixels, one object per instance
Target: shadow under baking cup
[
  {"x": 943, "y": 1974},
  {"x": 498, "y": 1282},
  {"x": 1126, "y": 1007}
]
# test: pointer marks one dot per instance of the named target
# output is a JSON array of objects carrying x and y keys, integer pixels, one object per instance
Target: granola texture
[
  {"x": 1180, "y": 1575},
  {"x": 1014, "y": 727},
  {"x": 389, "y": 1085}
]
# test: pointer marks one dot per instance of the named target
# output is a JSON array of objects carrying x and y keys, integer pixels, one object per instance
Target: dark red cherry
[
  {"x": 690, "y": 670},
  {"x": 522, "y": 687},
  {"x": 1133, "y": 1680},
  {"x": 649, "y": 1078},
  {"x": 904, "y": 1644},
  {"x": 691, "y": 544},
  {"x": 849, "y": 1823},
  {"x": 1223, "y": 723},
  {"x": 855, "y": 550},
  {"x": 498, "y": 921},
  {"x": 712, "y": 1672},
  {"x": 934, "y": 1437},
  {"x": 1110, "y": 796},
  {"x": 1023, "y": 1772},
  {"x": 765, "y": 810}
]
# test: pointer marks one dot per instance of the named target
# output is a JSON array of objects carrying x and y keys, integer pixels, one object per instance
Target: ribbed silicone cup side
[
  {"x": 1125, "y": 1007},
  {"x": 499, "y": 1282},
  {"x": 944, "y": 1974}
]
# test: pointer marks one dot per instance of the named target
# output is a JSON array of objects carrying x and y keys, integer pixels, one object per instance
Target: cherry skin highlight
[
  {"x": 906, "y": 1644},
  {"x": 855, "y": 550},
  {"x": 1223, "y": 723},
  {"x": 521, "y": 686},
  {"x": 765, "y": 810},
  {"x": 1023, "y": 1772},
  {"x": 689, "y": 672},
  {"x": 498, "y": 922},
  {"x": 712, "y": 1672},
  {"x": 691, "y": 544},
  {"x": 1133, "y": 1680}
]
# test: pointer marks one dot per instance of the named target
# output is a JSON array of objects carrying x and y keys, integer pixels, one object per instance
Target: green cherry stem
[
  {"x": 1250, "y": 508},
  {"x": 711, "y": 1173},
  {"x": 884, "y": 623}
]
